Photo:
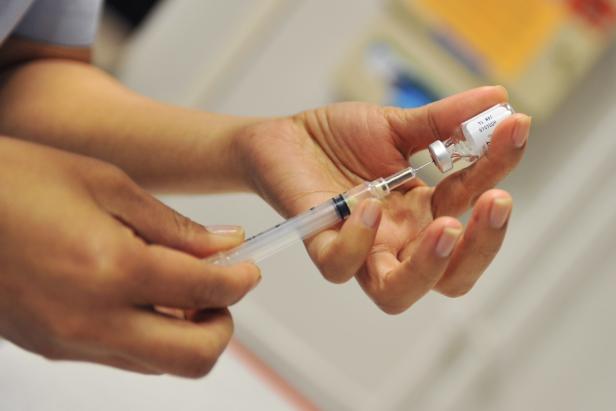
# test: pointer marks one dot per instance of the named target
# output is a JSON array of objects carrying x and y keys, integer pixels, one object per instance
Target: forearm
[{"x": 76, "y": 107}]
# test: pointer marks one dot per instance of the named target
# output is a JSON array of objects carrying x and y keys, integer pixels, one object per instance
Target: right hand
[
  {"x": 85, "y": 255},
  {"x": 411, "y": 242}
]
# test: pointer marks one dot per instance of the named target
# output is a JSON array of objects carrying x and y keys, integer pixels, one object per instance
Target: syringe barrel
[
  {"x": 374, "y": 189},
  {"x": 307, "y": 224}
]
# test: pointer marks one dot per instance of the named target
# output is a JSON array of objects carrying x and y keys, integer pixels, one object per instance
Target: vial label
[{"x": 479, "y": 129}]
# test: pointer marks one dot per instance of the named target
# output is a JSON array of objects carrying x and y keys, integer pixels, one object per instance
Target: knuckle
[
  {"x": 128, "y": 273},
  {"x": 204, "y": 293},
  {"x": 113, "y": 269},
  {"x": 391, "y": 308},
  {"x": 389, "y": 304},
  {"x": 116, "y": 182},
  {"x": 336, "y": 275},
  {"x": 384, "y": 295},
  {"x": 117, "y": 259},
  {"x": 334, "y": 264},
  {"x": 99, "y": 255},
  {"x": 109, "y": 177},
  {"x": 226, "y": 287},
  {"x": 114, "y": 175},
  {"x": 341, "y": 267},
  {"x": 182, "y": 225},
  {"x": 108, "y": 265},
  {"x": 455, "y": 289},
  {"x": 200, "y": 365},
  {"x": 427, "y": 277}
]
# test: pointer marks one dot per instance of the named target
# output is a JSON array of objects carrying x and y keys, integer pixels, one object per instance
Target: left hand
[{"x": 402, "y": 247}]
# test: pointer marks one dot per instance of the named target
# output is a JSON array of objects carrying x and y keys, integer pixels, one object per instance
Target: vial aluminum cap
[{"x": 441, "y": 156}]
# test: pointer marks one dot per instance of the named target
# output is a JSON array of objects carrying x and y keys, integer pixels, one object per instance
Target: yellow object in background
[
  {"x": 505, "y": 36},
  {"x": 420, "y": 50}
]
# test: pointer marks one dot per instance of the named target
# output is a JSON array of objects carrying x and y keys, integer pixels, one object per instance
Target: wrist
[
  {"x": 247, "y": 147},
  {"x": 222, "y": 146},
  {"x": 200, "y": 152}
]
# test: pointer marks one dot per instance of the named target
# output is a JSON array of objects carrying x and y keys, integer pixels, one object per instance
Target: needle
[{"x": 423, "y": 165}]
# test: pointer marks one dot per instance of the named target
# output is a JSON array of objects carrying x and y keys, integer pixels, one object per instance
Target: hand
[
  {"x": 85, "y": 255},
  {"x": 411, "y": 243}
]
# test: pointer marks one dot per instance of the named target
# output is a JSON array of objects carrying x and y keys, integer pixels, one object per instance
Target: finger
[
  {"x": 158, "y": 224},
  {"x": 126, "y": 365},
  {"x": 396, "y": 286},
  {"x": 188, "y": 349},
  {"x": 103, "y": 358},
  {"x": 456, "y": 193},
  {"x": 170, "y": 278},
  {"x": 482, "y": 240},
  {"x": 415, "y": 129},
  {"x": 340, "y": 254}
]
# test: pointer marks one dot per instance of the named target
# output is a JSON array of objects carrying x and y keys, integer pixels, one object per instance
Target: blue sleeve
[{"x": 62, "y": 22}]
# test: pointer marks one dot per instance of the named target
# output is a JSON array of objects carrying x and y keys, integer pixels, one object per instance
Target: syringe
[
  {"x": 312, "y": 221},
  {"x": 469, "y": 141}
]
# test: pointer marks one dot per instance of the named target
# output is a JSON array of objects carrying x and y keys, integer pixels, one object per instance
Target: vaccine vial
[{"x": 470, "y": 141}]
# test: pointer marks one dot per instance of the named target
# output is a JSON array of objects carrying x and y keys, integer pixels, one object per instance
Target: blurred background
[{"x": 536, "y": 333}]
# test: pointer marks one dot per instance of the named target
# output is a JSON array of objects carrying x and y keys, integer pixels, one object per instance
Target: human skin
[
  {"x": 392, "y": 250},
  {"x": 86, "y": 255},
  {"x": 397, "y": 249}
]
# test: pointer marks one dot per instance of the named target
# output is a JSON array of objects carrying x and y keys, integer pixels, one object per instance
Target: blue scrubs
[{"x": 60, "y": 22}]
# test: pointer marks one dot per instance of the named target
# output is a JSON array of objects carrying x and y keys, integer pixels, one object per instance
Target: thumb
[
  {"x": 417, "y": 128},
  {"x": 158, "y": 224}
]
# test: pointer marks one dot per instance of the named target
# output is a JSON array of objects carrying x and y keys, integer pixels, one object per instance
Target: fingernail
[
  {"x": 447, "y": 242},
  {"x": 520, "y": 134},
  {"x": 370, "y": 213},
  {"x": 225, "y": 230},
  {"x": 501, "y": 208}
]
